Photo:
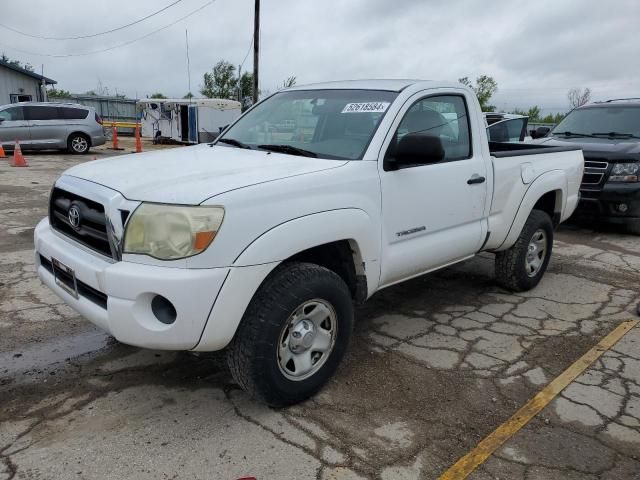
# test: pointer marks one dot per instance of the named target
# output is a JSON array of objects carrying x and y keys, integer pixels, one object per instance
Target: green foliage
[
  {"x": 157, "y": 95},
  {"x": 188, "y": 96},
  {"x": 485, "y": 88},
  {"x": 58, "y": 93},
  {"x": 91, "y": 92},
  {"x": 221, "y": 82},
  {"x": 535, "y": 115},
  {"x": 16, "y": 63}
]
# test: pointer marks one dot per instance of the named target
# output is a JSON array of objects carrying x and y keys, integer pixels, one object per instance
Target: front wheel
[
  {"x": 522, "y": 266},
  {"x": 293, "y": 335}
]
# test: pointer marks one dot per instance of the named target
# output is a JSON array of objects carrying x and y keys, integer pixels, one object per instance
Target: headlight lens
[
  {"x": 624, "y": 172},
  {"x": 170, "y": 232}
]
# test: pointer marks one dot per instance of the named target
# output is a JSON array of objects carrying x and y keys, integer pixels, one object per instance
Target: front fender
[
  {"x": 294, "y": 236},
  {"x": 268, "y": 250},
  {"x": 555, "y": 180}
]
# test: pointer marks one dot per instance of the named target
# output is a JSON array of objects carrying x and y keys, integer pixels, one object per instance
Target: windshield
[
  {"x": 599, "y": 120},
  {"x": 335, "y": 124}
]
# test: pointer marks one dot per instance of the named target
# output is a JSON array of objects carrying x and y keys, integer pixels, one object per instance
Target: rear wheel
[
  {"x": 293, "y": 335},
  {"x": 78, "y": 144},
  {"x": 522, "y": 266},
  {"x": 634, "y": 227}
]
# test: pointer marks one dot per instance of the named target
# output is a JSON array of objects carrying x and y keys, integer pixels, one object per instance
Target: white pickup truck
[{"x": 316, "y": 198}]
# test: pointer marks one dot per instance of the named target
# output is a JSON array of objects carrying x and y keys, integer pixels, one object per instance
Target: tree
[
  {"x": 16, "y": 63},
  {"x": 289, "y": 82},
  {"x": 578, "y": 97},
  {"x": 157, "y": 95},
  {"x": 485, "y": 87},
  {"x": 188, "y": 96},
  {"x": 221, "y": 82},
  {"x": 58, "y": 93},
  {"x": 246, "y": 87}
]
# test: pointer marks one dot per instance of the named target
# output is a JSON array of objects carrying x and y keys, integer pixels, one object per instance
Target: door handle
[{"x": 475, "y": 179}]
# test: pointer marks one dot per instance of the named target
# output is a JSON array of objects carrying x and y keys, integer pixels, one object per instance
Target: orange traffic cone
[
  {"x": 2, "y": 154},
  {"x": 138, "y": 140},
  {"x": 18, "y": 159},
  {"x": 114, "y": 138}
]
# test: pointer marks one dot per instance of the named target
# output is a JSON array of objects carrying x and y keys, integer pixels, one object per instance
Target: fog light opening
[{"x": 163, "y": 310}]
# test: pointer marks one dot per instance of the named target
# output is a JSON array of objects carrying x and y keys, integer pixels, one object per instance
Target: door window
[
  {"x": 41, "y": 113},
  {"x": 508, "y": 130},
  {"x": 443, "y": 116},
  {"x": 12, "y": 114},
  {"x": 69, "y": 113}
]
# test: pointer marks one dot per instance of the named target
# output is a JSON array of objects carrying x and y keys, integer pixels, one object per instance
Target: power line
[
  {"x": 93, "y": 34},
  {"x": 248, "y": 52},
  {"x": 120, "y": 45}
]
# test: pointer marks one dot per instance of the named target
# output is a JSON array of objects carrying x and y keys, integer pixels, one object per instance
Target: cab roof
[{"x": 392, "y": 85}]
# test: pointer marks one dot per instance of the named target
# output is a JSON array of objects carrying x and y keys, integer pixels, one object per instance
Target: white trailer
[{"x": 196, "y": 120}]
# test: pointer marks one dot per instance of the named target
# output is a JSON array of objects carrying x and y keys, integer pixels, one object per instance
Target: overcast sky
[{"x": 536, "y": 50}]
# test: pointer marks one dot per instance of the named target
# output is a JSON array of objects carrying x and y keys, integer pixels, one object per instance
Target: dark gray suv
[{"x": 36, "y": 125}]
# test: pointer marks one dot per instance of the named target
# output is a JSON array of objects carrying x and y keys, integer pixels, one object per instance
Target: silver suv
[{"x": 37, "y": 125}]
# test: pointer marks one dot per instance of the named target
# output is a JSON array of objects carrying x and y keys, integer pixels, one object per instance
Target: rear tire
[
  {"x": 634, "y": 227},
  {"x": 293, "y": 335},
  {"x": 78, "y": 144},
  {"x": 522, "y": 266}
]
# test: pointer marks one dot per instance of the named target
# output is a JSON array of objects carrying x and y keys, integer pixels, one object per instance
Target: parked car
[
  {"x": 609, "y": 134},
  {"x": 506, "y": 127},
  {"x": 263, "y": 241},
  {"x": 40, "y": 126}
]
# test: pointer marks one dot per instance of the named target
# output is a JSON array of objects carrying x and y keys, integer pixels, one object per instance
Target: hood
[
  {"x": 597, "y": 147},
  {"x": 190, "y": 175}
]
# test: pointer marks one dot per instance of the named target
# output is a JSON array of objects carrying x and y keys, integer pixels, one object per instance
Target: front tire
[
  {"x": 78, "y": 144},
  {"x": 522, "y": 266},
  {"x": 293, "y": 335}
]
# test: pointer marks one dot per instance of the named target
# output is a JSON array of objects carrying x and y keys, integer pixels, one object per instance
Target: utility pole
[{"x": 256, "y": 50}]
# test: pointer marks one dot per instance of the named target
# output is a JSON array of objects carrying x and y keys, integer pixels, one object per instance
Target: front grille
[
  {"x": 84, "y": 290},
  {"x": 92, "y": 228},
  {"x": 594, "y": 174}
]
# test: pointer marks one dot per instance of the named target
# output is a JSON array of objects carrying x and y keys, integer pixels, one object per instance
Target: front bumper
[
  {"x": 129, "y": 289},
  {"x": 605, "y": 203}
]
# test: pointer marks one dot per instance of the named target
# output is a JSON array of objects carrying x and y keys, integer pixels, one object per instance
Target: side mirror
[
  {"x": 416, "y": 149},
  {"x": 540, "y": 132},
  {"x": 1, "y": 119}
]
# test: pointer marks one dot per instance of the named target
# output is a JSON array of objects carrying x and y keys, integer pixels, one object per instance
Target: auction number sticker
[{"x": 368, "y": 107}]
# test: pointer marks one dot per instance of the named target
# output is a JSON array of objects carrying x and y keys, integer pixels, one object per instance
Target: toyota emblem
[{"x": 74, "y": 216}]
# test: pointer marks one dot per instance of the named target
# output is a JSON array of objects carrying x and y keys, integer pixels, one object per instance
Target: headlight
[
  {"x": 170, "y": 232},
  {"x": 624, "y": 172}
]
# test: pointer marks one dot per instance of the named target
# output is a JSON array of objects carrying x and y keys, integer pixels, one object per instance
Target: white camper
[{"x": 195, "y": 120}]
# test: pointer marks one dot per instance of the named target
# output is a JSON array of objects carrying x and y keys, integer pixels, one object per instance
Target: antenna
[{"x": 186, "y": 37}]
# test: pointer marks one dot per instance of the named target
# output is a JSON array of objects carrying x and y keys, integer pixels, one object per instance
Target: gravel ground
[{"x": 436, "y": 364}]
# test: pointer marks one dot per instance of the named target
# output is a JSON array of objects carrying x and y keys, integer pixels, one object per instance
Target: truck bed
[{"x": 516, "y": 168}]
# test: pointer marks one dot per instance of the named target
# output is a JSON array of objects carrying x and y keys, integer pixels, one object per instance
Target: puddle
[{"x": 50, "y": 353}]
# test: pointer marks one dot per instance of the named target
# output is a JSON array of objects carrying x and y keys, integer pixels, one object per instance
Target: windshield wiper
[
  {"x": 572, "y": 134},
  {"x": 234, "y": 142},
  {"x": 616, "y": 135},
  {"x": 288, "y": 149}
]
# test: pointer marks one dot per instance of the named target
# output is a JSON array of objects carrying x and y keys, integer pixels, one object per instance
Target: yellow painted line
[{"x": 468, "y": 463}]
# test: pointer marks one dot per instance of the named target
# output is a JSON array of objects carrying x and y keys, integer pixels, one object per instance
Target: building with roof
[{"x": 20, "y": 85}]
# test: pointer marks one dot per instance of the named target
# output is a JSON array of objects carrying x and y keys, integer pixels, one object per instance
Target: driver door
[{"x": 433, "y": 214}]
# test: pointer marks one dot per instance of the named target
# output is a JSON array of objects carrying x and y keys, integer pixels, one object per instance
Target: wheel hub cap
[
  {"x": 536, "y": 252},
  {"x": 307, "y": 339},
  {"x": 302, "y": 336}
]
